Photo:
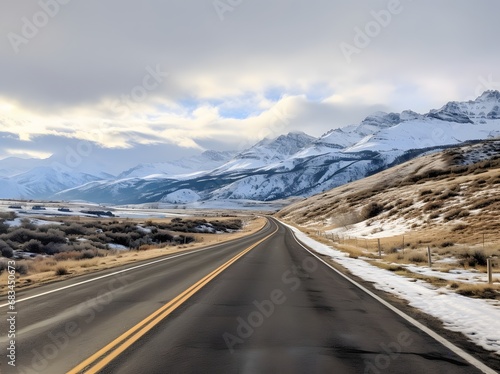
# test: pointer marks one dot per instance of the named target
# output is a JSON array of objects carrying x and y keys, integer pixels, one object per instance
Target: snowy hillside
[
  {"x": 42, "y": 181},
  {"x": 11, "y": 166},
  {"x": 268, "y": 152},
  {"x": 208, "y": 160}
]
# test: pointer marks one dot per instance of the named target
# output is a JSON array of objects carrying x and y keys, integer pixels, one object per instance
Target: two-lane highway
[
  {"x": 61, "y": 324},
  {"x": 262, "y": 304}
]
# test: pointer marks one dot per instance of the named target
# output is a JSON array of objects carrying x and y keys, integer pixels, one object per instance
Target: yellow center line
[{"x": 120, "y": 344}]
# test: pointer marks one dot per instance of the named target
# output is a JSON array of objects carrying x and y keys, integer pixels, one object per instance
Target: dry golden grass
[
  {"x": 483, "y": 291},
  {"x": 44, "y": 270},
  {"x": 462, "y": 206},
  {"x": 433, "y": 201}
]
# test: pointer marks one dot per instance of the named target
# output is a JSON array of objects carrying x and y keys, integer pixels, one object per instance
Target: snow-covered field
[
  {"x": 75, "y": 208},
  {"x": 477, "y": 319},
  {"x": 375, "y": 230}
]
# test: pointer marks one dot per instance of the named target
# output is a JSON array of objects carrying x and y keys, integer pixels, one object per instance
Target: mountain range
[{"x": 291, "y": 165}]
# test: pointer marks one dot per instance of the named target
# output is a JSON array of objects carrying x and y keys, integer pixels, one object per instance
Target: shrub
[
  {"x": 371, "y": 210},
  {"x": 87, "y": 254},
  {"x": 121, "y": 237},
  {"x": 9, "y": 216},
  {"x": 53, "y": 236},
  {"x": 455, "y": 213},
  {"x": 20, "y": 235},
  {"x": 417, "y": 257},
  {"x": 484, "y": 203},
  {"x": 6, "y": 250},
  {"x": 478, "y": 291},
  {"x": 34, "y": 246},
  {"x": 425, "y": 192},
  {"x": 75, "y": 229},
  {"x": 402, "y": 204},
  {"x": 4, "y": 228},
  {"x": 448, "y": 194},
  {"x": 53, "y": 248},
  {"x": 182, "y": 239},
  {"x": 162, "y": 236},
  {"x": 70, "y": 255},
  {"x": 21, "y": 269},
  {"x": 27, "y": 224},
  {"x": 433, "y": 205},
  {"x": 477, "y": 258},
  {"x": 61, "y": 270}
]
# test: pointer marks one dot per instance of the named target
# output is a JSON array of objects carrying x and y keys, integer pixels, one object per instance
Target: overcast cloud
[{"x": 178, "y": 77}]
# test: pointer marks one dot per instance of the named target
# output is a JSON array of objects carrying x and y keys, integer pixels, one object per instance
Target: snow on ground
[
  {"x": 465, "y": 276},
  {"x": 477, "y": 319},
  {"x": 144, "y": 230},
  {"x": 375, "y": 230},
  {"x": 117, "y": 246},
  {"x": 37, "y": 222}
]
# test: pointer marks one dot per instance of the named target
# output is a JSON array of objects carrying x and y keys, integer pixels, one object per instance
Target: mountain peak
[
  {"x": 451, "y": 112},
  {"x": 490, "y": 95},
  {"x": 382, "y": 119}
]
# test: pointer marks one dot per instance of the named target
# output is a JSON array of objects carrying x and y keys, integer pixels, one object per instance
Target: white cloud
[{"x": 269, "y": 67}]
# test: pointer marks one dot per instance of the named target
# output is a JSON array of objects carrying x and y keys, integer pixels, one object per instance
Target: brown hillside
[{"x": 452, "y": 196}]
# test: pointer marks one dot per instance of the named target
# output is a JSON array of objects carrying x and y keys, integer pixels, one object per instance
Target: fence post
[
  {"x": 429, "y": 256},
  {"x": 490, "y": 275},
  {"x": 379, "y": 249},
  {"x": 403, "y": 244}
]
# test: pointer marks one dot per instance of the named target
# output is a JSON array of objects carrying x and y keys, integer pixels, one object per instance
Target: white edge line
[
  {"x": 109, "y": 275},
  {"x": 467, "y": 357}
]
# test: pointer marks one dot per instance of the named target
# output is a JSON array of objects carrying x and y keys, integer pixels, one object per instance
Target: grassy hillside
[{"x": 449, "y": 201}]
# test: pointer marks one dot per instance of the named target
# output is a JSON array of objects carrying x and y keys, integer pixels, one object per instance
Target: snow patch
[{"x": 477, "y": 319}]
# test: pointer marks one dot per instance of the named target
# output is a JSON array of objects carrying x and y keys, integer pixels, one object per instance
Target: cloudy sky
[{"x": 154, "y": 80}]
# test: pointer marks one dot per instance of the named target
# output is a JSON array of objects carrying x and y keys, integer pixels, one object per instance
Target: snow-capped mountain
[
  {"x": 207, "y": 161},
  {"x": 486, "y": 106},
  {"x": 267, "y": 152},
  {"x": 42, "y": 181},
  {"x": 297, "y": 164},
  {"x": 11, "y": 166},
  {"x": 49, "y": 176}
]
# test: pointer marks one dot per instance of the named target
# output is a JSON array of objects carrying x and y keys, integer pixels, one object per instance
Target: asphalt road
[
  {"x": 277, "y": 309},
  {"x": 56, "y": 331}
]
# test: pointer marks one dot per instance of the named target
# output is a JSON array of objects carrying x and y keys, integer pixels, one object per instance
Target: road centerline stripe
[{"x": 105, "y": 355}]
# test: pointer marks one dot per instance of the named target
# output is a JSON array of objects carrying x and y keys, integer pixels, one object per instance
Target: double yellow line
[{"x": 105, "y": 355}]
